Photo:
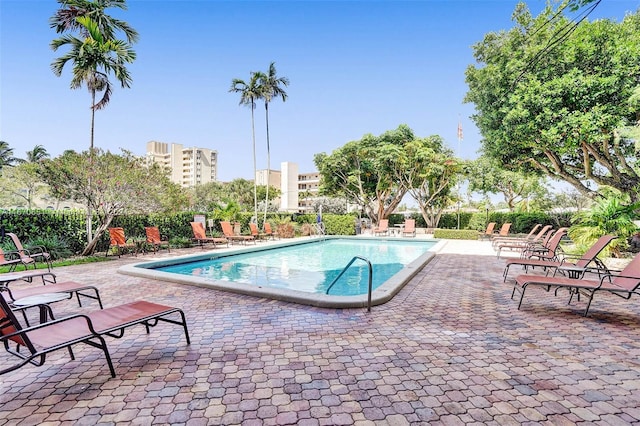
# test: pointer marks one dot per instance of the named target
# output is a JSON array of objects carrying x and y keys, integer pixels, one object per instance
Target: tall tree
[
  {"x": 250, "y": 92},
  {"x": 271, "y": 87},
  {"x": 38, "y": 153},
  {"x": 427, "y": 168},
  {"x": 93, "y": 58},
  {"x": 6, "y": 155},
  {"x": 360, "y": 171},
  {"x": 561, "y": 115},
  {"x": 486, "y": 176}
]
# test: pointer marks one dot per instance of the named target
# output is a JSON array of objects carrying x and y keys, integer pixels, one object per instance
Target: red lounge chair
[
  {"x": 227, "y": 230},
  {"x": 255, "y": 233},
  {"x": 382, "y": 228},
  {"x": 31, "y": 255},
  {"x": 504, "y": 231},
  {"x": 9, "y": 259},
  {"x": 49, "y": 285},
  {"x": 200, "y": 236},
  {"x": 625, "y": 284},
  {"x": 32, "y": 344},
  {"x": 572, "y": 266},
  {"x": 154, "y": 239},
  {"x": 268, "y": 232},
  {"x": 499, "y": 240},
  {"x": 521, "y": 245},
  {"x": 489, "y": 231},
  {"x": 548, "y": 250},
  {"x": 119, "y": 242},
  {"x": 409, "y": 229}
]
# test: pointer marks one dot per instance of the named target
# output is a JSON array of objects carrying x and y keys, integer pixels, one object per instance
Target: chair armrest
[
  {"x": 609, "y": 276},
  {"x": 12, "y": 255},
  {"x": 36, "y": 250}
]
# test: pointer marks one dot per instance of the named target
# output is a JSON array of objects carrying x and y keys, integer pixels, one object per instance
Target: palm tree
[
  {"x": 613, "y": 215},
  {"x": 270, "y": 87},
  {"x": 65, "y": 18},
  {"x": 249, "y": 93},
  {"x": 6, "y": 155},
  {"x": 94, "y": 57},
  {"x": 38, "y": 153}
]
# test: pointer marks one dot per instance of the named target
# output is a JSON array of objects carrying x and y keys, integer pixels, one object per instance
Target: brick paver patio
[{"x": 450, "y": 348}]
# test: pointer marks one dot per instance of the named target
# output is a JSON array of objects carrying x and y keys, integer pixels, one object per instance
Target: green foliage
[
  {"x": 89, "y": 178},
  {"x": 455, "y": 234},
  {"x": 20, "y": 185},
  {"x": 180, "y": 242},
  {"x": 485, "y": 175},
  {"x": 611, "y": 216},
  {"x": 54, "y": 245},
  {"x": 360, "y": 171},
  {"x": 339, "y": 224},
  {"x": 559, "y": 112}
]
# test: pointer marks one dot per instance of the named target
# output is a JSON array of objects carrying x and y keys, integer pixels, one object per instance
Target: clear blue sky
[{"x": 355, "y": 68}]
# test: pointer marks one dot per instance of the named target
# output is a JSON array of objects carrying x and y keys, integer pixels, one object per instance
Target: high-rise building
[
  {"x": 297, "y": 190},
  {"x": 189, "y": 166}
]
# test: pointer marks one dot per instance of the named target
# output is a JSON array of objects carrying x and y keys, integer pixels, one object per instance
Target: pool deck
[{"x": 450, "y": 348}]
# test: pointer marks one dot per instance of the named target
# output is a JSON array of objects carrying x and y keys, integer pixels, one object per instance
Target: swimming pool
[{"x": 300, "y": 270}]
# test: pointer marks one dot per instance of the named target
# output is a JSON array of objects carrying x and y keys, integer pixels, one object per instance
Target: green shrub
[
  {"x": 180, "y": 242},
  {"x": 456, "y": 234},
  {"x": 339, "y": 224},
  {"x": 56, "y": 247}
]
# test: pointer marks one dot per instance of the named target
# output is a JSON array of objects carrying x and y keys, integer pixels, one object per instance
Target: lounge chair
[
  {"x": 521, "y": 245},
  {"x": 49, "y": 285},
  {"x": 409, "y": 229},
  {"x": 382, "y": 228},
  {"x": 32, "y": 344},
  {"x": 200, "y": 236},
  {"x": 120, "y": 244},
  {"x": 154, "y": 239},
  {"x": 504, "y": 231},
  {"x": 548, "y": 250},
  {"x": 268, "y": 232},
  {"x": 512, "y": 239},
  {"x": 32, "y": 255},
  {"x": 257, "y": 235},
  {"x": 10, "y": 259},
  {"x": 625, "y": 284},
  {"x": 489, "y": 231},
  {"x": 574, "y": 267},
  {"x": 227, "y": 230}
]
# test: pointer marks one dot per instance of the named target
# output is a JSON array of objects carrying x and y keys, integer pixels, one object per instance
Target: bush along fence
[{"x": 63, "y": 232}]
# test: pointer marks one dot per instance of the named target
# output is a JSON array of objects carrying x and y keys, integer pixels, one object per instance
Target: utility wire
[{"x": 558, "y": 37}]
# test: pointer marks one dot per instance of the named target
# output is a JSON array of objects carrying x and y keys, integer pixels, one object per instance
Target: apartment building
[
  {"x": 189, "y": 166},
  {"x": 297, "y": 190}
]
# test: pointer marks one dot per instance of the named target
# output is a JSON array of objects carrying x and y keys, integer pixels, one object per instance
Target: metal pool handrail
[{"x": 345, "y": 270}]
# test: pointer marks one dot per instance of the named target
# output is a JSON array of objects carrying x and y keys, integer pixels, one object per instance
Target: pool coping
[{"x": 385, "y": 292}]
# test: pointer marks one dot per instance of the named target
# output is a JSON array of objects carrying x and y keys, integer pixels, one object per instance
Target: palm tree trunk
[
  {"x": 266, "y": 197},
  {"x": 89, "y": 214},
  {"x": 255, "y": 169}
]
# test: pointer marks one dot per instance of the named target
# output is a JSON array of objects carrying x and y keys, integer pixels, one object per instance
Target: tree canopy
[
  {"x": 486, "y": 176},
  {"x": 111, "y": 185},
  {"x": 562, "y": 114},
  {"x": 376, "y": 172}
]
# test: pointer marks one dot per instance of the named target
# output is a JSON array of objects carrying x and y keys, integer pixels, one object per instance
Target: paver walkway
[{"x": 450, "y": 348}]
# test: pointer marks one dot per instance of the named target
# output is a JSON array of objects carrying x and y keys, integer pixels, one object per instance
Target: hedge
[{"x": 69, "y": 225}]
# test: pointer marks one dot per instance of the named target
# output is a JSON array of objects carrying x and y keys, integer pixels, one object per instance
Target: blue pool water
[{"x": 309, "y": 267}]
